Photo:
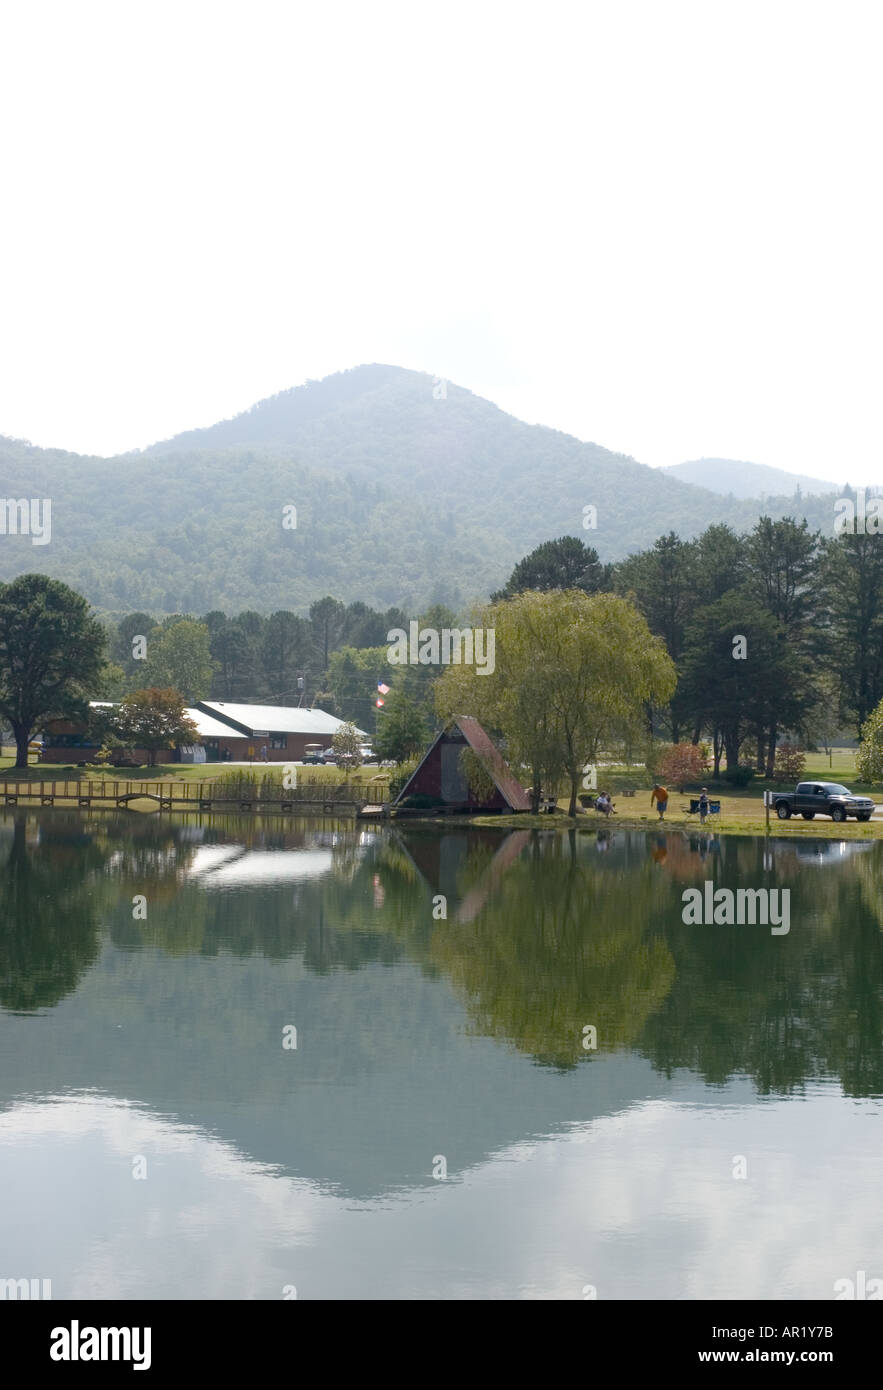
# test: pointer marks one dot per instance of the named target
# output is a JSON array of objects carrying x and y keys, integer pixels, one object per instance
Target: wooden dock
[{"x": 331, "y": 799}]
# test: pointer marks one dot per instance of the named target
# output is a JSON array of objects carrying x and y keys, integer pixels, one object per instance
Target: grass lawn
[
  {"x": 742, "y": 810},
  {"x": 839, "y": 766}
]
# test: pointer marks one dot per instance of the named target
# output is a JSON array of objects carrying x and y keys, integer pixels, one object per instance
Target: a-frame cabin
[{"x": 439, "y": 777}]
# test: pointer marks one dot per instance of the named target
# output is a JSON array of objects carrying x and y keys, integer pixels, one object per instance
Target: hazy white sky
[{"x": 653, "y": 225}]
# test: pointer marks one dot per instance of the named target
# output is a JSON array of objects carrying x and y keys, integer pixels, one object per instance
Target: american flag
[{"x": 384, "y": 689}]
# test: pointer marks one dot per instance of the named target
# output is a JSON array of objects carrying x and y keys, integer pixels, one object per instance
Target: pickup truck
[{"x": 823, "y": 799}]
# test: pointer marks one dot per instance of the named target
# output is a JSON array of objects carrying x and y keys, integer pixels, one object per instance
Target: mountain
[
  {"x": 735, "y": 478},
  {"x": 402, "y": 498}
]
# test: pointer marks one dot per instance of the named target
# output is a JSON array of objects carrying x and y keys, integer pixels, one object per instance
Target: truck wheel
[
  {"x": 783, "y": 810},
  {"x": 808, "y": 815},
  {"x": 838, "y": 813},
  {"x": 865, "y": 815}
]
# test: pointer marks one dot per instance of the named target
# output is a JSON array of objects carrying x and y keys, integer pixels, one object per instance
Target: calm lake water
[{"x": 440, "y": 1129}]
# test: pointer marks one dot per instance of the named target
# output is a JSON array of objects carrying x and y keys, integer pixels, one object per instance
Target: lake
[{"x": 245, "y": 1059}]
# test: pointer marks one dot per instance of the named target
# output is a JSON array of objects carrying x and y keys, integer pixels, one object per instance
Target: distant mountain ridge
[
  {"x": 738, "y": 478},
  {"x": 403, "y": 496}
]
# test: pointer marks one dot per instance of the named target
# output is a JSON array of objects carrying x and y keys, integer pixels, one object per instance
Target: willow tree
[
  {"x": 508, "y": 701},
  {"x": 573, "y": 671},
  {"x": 545, "y": 933}
]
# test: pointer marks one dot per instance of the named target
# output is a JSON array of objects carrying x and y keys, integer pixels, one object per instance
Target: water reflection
[
  {"x": 539, "y": 935},
  {"x": 640, "y": 1205},
  {"x": 440, "y": 985},
  {"x": 49, "y": 907}
]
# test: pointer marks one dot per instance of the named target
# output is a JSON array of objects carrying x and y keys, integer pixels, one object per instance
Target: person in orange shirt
[{"x": 660, "y": 796}]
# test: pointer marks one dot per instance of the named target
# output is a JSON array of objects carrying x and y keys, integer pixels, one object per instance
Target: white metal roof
[
  {"x": 208, "y": 727},
  {"x": 277, "y": 719}
]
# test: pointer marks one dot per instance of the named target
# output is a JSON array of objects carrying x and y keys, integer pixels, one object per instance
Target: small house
[{"x": 440, "y": 779}]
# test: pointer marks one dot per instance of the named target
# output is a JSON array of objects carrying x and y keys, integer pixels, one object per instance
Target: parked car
[
  {"x": 314, "y": 753},
  {"x": 329, "y": 756},
  {"x": 822, "y": 799}
]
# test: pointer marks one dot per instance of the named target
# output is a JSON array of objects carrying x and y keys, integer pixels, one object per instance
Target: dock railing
[{"x": 247, "y": 793}]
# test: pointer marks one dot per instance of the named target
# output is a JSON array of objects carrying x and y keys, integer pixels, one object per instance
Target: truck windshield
[{"x": 836, "y": 788}]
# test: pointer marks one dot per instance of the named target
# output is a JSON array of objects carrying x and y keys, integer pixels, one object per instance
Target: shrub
[
  {"x": 399, "y": 775},
  {"x": 119, "y": 757},
  {"x": 347, "y": 744},
  {"x": 738, "y": 776},
  {"x": 654, "y": 756},
  {"x": 869, "y": 758},
  {"x": 789, "y": 764},
  {"x": 683, "y": 764}
]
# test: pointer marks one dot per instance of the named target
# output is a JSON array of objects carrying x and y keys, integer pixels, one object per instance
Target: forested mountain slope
[{"x": 403, "y": 497}]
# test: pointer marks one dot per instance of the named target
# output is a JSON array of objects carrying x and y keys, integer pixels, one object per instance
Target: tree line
[
  {"x": 779, "y": 630},
  {"x": 546, "y": 931},
  {"x": 56, "y": 656},
  {"x": 775, "y": 632}
]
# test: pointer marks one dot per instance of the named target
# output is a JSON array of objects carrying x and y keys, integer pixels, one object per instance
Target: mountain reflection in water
[{"x": 441, "y": 985}]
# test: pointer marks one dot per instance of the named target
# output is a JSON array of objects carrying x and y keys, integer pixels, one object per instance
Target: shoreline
[
  {"x": 588, "y": 823},
  {"x": 584, "y": 823}
]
